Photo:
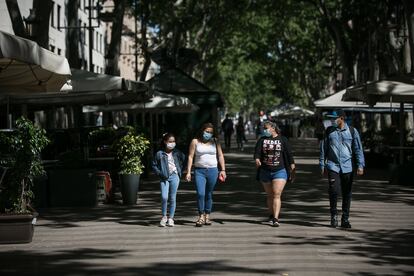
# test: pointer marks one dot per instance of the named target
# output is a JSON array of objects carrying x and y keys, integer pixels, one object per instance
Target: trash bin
[{"x": 103, "y": 186}]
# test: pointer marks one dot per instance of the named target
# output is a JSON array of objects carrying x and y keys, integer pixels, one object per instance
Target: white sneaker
[
  {"x": 163, "y": 221},
  {"x": 170, "y": 222}
]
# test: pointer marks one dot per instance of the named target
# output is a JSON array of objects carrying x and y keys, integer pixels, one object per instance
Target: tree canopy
[{"x": 259, "y": 53}]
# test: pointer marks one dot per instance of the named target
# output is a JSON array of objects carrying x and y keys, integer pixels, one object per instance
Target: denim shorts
[{"x": 268, "y": 176}]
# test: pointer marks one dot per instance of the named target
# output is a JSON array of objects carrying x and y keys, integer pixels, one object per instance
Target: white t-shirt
[
  {"x": 205, "y": 155},
  {"x": 171, "y": 165}
]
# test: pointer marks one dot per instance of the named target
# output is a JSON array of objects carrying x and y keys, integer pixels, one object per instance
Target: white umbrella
[
  {"x": 335, "y": 101},
  {"x": 160, "y": 102},
  {"x": 397, "y": 89},
  {"x": 27, "y": 67}
]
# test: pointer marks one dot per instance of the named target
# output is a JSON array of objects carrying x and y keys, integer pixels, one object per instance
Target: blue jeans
[
  {"x": 169, "y": 187},
  {"x": 205, "y": 180}
]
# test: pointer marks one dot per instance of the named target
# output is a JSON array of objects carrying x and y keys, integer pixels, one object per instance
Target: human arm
[
  {"x": 322, "y": 154},
  {"x": 222, "y": 164},
  {"x": 190, "y": 158},
  {"x": 359, "y": 153},
  {"x": 156, "y": 164}
]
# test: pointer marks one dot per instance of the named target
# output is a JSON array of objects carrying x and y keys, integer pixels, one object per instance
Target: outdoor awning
[
  {"x": 335, "y": 101},
  {"x": 158, "y": 103},
  {"x": 396, "y": 89},
  {"x": 86, "y": 88},
  {"x": 177, "y": 82},
  {"x": 290, "y": 111},
  {"x": 25, "y": 67}
]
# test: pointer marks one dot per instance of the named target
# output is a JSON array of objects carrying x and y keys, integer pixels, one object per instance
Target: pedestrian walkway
[{"x": 118, "y": 240}]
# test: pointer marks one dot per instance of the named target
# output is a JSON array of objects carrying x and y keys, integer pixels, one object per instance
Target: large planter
[
  {"x": 129, "y": 188},
  {"x": 17, "y": 228}
]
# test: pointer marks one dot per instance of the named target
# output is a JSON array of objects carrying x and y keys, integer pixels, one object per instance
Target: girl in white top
[{"x": 206, "y": 154}]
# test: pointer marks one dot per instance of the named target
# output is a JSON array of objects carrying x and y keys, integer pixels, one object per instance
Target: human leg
[
  {"x": 346, "y": 189},
  {"x": 164, "y": 196},
  {"x": 277, "y": 188},
  {"x": 200, "y": 182},
  {"x": 265, "y": 179},
  {"x": 174, "y": 183},
  {"x": 211, "y": 180},
  {"x": 334, "y": 182}
]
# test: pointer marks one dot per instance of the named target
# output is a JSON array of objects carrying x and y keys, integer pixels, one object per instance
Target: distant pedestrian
[
  {"x": 240, "y": 133},
  {"x": 228, "y": 128},
  {"x": 319, "y": 130},
  {"x": 168, "y": 165},
  {"x": 340, "y": 146},
  {"x": 275, "y": 164},
  {"x": 207, "y": 156},
  {"x": 259, "y": 124}
]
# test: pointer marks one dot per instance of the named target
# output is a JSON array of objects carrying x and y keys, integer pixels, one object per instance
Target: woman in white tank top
[{"x": 206, "y": 154}]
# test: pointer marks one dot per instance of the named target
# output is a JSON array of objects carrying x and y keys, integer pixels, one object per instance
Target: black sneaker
[
  {"x": 334, "y": 221},
  {"x": 345, "y": 224},
  {"x": 270, "y": 219},
  {"x": 275, "y": 222}
]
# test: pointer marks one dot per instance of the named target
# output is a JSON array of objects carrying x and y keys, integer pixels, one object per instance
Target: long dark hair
[
  {"x": 199, "y": 134},
  {"x": 165, "y": 138}
]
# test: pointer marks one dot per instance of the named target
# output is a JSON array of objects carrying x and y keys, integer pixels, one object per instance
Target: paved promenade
[{"x": 118, "y": 240}]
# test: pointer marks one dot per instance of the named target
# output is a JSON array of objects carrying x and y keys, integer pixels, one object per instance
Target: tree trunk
[
  {"x": 16, "y": 18},
  {"x": 41, "y": 28},
  {"x": 144, "y": 41},
  {"x": 113, "y": 53},
  {"x": 409, "y": 14},
  {"x": 73, "y": 37}
]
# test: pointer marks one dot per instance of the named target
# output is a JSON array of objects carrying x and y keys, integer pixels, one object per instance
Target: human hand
[
  {"x": 258, "y": 163},
  {"x": 292, "y": 175},
  {"x": 188, "y": 176},
  {"x": 360, "y": 171},
  {"x": 323, "y": 171},
  {"x": 222, "y": 176}
]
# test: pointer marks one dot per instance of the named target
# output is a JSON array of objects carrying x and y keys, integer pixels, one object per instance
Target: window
[
  {"x": 96, "y": 41},
  {"x": 52, "y": 15},
  {"x": 58, "y": 17},
  {"x": 59, "y": 51},
  {"x": 52, "y": 48}
]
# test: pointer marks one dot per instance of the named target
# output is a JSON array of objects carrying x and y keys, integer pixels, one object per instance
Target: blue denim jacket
[
  {"x": 160, "y": 163},
  {"x": 338, "y": 157}
]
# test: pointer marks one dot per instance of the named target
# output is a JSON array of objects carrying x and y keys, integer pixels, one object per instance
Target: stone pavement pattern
[{"x": 118, "y": 240}]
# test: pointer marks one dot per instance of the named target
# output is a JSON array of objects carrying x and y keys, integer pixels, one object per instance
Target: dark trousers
[
  {"x": 340, "y": 182},
  {"x": 227, "y": 139}
]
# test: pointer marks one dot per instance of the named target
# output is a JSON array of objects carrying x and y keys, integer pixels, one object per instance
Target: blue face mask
[
  {"x": 207, "y": 135},
  {"x": 267, "y": 133}
]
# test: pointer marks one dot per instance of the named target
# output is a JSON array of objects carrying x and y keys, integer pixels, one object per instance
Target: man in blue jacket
[{"x": 341, "y": 153}]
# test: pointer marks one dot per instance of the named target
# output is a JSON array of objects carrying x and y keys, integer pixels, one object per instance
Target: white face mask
[{"x": 170, "y": 146}]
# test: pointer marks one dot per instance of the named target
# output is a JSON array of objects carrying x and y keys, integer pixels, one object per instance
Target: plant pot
[
  {"x": 129, "y": 188},
  {"x": 17, "y": 228}
]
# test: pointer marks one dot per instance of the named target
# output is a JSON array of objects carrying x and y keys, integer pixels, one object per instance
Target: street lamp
[{"x": 30, "y": 21}]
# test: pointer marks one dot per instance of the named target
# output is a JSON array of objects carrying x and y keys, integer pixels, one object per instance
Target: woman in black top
[{"x": 275, "y": 164}]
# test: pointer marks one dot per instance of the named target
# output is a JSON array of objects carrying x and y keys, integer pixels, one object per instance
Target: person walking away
[
  {"x": 340, "y": 146},
  {"x": 276, "y": 165},
  {"x": 240, "y": 135},
  {"x": 168, "y": 165},
  {"x": 319, "y": 130},
  {"x": 259, "y": 124},
  {"x": 228, "y": 128},
  {"x": 206, "y": 154}
]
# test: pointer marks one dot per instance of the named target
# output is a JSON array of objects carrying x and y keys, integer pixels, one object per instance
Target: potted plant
[
  {"x": 129, "y": 152},
  {"x": 21, "y": 163}
]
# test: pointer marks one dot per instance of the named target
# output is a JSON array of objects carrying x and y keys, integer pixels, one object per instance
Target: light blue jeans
[
  {"x": 169, "y": 189},
  {"x": 205, "y": 181}
]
